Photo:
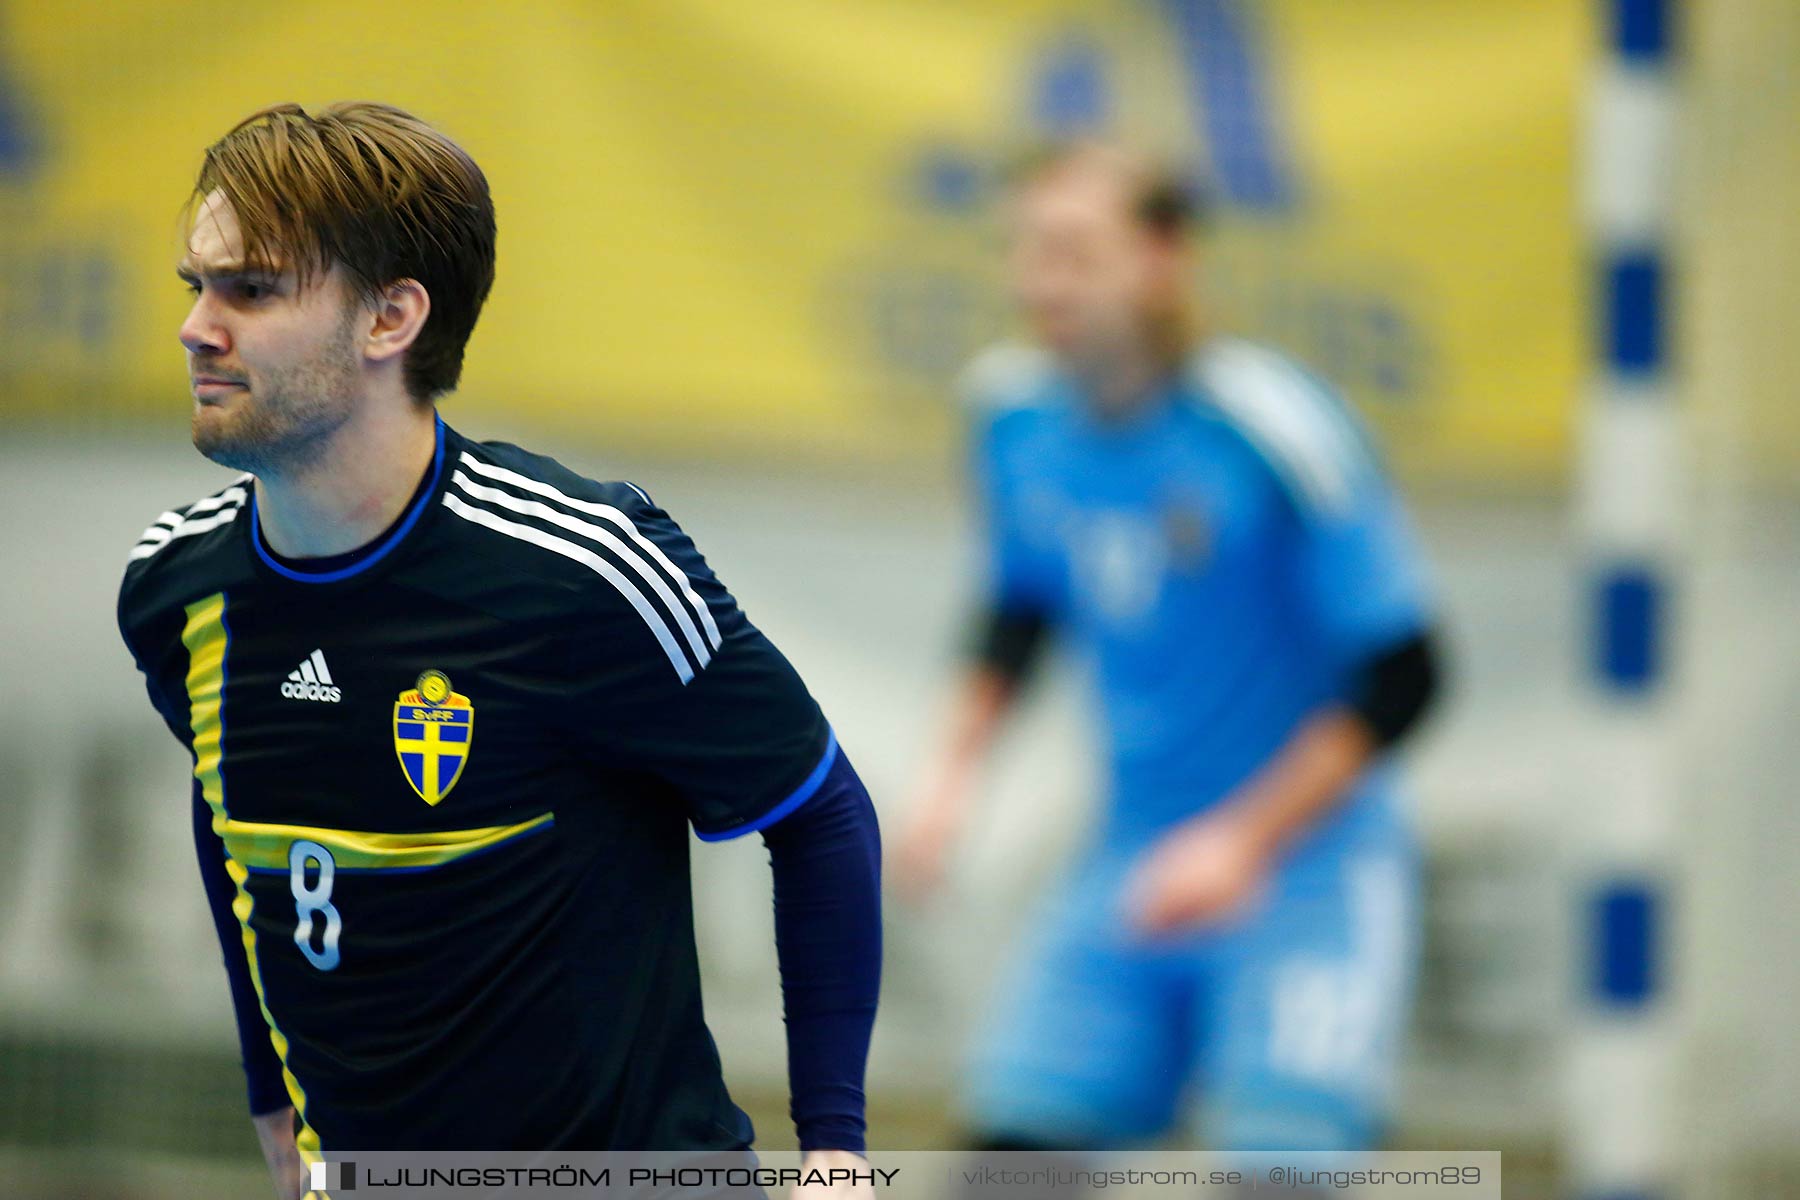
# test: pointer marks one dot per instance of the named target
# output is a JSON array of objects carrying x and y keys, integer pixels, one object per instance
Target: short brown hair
[
  {"x": 1166, "y": 197},
  {"x": 373, "y": 189}
]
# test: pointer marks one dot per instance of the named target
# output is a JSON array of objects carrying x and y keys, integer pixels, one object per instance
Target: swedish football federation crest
[
  {"x": 1188, "y": 532},
  {"x": 433, "y": 731}
]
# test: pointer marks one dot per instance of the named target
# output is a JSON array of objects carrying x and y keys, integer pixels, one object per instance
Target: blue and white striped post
[{"x": 1621, "y": 1055}]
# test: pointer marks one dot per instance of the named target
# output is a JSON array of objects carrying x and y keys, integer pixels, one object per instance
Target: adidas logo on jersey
[{"x": 311, "y": 681}]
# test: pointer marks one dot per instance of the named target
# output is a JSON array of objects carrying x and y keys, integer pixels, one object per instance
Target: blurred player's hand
[
  {"x": 918, "y": 860},
  {"x": 824, "y": 1161},
  {"x": 1206, "y": 870}
]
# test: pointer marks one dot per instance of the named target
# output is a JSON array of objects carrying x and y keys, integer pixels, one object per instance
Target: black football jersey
[{"x": 451, "y": 779}]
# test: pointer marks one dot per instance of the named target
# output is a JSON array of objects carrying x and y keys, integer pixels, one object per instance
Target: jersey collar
[{"x": 358, "y": 560}]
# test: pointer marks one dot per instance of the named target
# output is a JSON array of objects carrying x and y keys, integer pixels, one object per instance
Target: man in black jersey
[{"x": 453, "y": 708}]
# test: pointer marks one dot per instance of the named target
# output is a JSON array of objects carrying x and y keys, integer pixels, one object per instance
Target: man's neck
[
  {"x": 354, "y": 488},
  {"x": 1136, "y": 376},
  {"x": 1126, "y": 387}
]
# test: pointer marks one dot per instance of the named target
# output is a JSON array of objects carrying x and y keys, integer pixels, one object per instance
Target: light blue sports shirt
[{"x": 1226, "y": 556}]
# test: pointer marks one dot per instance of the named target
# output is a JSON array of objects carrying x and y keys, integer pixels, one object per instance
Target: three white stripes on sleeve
[{"x": 654, "y": 573}]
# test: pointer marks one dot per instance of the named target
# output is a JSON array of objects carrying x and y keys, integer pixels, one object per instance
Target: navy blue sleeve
[
  {"x": 826, "y": 859},
  {"x": 262, "y": 1068}
]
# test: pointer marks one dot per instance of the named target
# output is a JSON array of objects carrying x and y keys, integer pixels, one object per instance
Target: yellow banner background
[{"x": 770, "y": 228}]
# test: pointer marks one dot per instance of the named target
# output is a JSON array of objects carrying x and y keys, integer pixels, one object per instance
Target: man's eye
[{"x": 253, "y": 291}]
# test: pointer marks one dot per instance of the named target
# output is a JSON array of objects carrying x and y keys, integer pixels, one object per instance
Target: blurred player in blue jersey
[{"x": 1206, "y": 522}]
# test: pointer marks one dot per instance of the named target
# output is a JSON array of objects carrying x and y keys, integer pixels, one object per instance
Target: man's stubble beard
[{"x": 286, "y": 426}]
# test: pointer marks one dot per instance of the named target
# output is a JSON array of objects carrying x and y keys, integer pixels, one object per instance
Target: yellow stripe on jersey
[
  {"x": 208, "y": 642},
  {"x": 267, "y": 846}
]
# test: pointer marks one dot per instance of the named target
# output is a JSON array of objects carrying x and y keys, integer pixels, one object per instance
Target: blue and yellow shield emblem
[{"x": 433, "y": 730}]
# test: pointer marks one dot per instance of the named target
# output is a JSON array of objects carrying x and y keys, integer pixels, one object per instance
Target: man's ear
[{"x": 400, "y": 312}]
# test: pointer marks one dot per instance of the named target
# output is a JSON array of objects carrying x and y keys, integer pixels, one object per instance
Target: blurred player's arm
[
  {"x": 1392, "y": 691},
  {"x": 1009, "y": 641},
  {"x": 1211, "y": 865},
  {"x": 271, "y": 1110},
  {"x": 1001, "y": 391}
]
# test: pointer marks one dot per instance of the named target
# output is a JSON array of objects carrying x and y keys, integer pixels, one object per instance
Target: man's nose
[{"x": 201, "y": 332}]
